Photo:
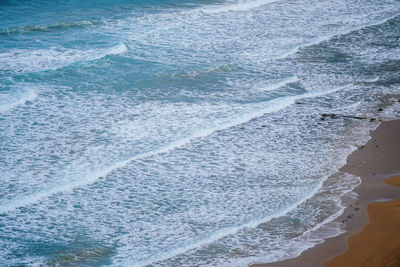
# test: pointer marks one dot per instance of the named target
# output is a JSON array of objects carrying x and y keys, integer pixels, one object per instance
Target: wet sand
[
  {"x": 378, "y": 244},
  {"x": 372, "y": 222}
]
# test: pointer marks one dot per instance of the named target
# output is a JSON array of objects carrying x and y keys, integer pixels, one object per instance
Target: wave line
[{"x": 265, "y": 108}]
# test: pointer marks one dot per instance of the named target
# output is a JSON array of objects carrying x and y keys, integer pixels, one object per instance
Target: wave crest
[
  {"x": 25, "y": 61},
  {"x": 11, "y": 100}
]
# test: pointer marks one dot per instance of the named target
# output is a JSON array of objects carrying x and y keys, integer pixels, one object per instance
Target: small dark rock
[
  {"x": 263, "y": 126},
  {"x": 380, "y": 109},
  {"x": 322, "y": 119},
  {"x": 357, "y": 209},
  {"x": 372, "y": 119}
]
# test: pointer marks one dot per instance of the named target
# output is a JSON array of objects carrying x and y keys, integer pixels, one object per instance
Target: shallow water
[{"x": 181, "y": 133}]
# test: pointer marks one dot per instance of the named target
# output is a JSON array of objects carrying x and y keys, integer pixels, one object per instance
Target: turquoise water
[{"x": 182, "y": 133}]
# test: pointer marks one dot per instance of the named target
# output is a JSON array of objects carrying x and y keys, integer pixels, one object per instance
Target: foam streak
[{"x": 263, "y": 108}]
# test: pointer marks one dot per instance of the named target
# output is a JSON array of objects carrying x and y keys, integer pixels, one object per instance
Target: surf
[
  {"x": 15, "y": 98},
  {"x": 254, "y": 111}
]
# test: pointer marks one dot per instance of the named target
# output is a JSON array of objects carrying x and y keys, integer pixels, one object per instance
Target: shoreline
[
  {"x": 377, "y": 160},
  {"x": 376, "y": 244}
]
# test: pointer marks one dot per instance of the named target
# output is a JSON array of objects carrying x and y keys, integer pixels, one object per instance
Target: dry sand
[{"x": 372, "y": 238}]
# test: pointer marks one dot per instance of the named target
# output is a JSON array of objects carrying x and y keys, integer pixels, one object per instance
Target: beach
[
  {"x": 372, "y": 219},
  {"x": 193, "y": 133}
]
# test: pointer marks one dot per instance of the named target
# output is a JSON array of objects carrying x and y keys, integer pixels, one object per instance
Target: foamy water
[{"x": 178, "y": 134}]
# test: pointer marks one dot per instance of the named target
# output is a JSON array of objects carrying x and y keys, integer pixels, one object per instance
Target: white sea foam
[
  {"x": 339, "y": 185},
  {"x": 234, "y": 7},
  {"x": 310, "y": 238},
  {"x": 125, "y": 129},
  {"x": 24, "y": 61},
  {"x": 257, "y": 110},
  {"x": 16, "y": 98},
  {"x": 118, "y": 49},
  {"x": 293, "y": 248},
  {"x": 221, "y": 233}
]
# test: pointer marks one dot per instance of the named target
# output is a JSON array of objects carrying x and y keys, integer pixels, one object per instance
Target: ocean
[{"x": 185, "y": 133}]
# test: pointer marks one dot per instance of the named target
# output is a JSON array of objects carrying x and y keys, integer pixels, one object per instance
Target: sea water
[{"x": 184, "y": 133}]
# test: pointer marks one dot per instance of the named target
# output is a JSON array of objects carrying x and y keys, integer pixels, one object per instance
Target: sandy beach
[
  {"x": 372, "y": 221},
  {"x": 199, "y": 133},
  {"x": 378, "y": 243}
]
